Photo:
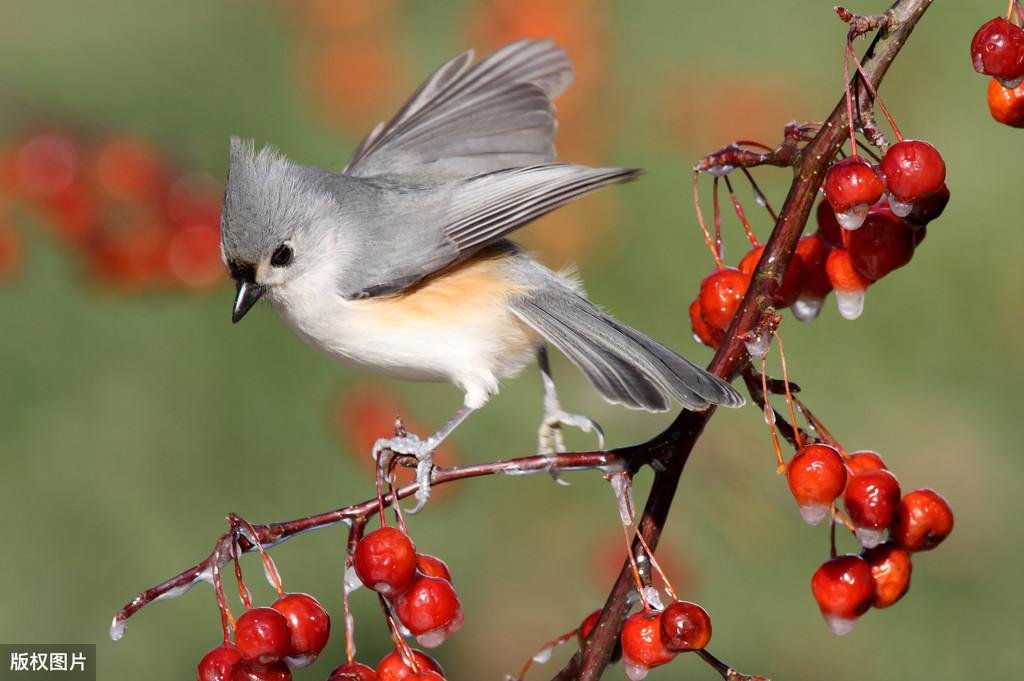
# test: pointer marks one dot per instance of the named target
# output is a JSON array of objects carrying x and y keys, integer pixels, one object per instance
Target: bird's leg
[
  {"x": 422, "y": 449},
  {"x": 550, "y": 433}
]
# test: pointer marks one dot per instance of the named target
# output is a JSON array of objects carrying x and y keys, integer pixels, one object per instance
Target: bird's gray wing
[
  {"x": 469, "y": 119},
  {"x": 428, "y": 230},
  {"x": 624, "y": 365}
]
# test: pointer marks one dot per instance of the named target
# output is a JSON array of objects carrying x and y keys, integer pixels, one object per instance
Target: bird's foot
[
  {"x": 549, "y": 436},
  {"x": 422, "y": 450}
]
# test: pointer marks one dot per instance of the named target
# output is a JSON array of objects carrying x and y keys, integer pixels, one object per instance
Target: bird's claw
[
  {"x": 411, "y": 445},
  {"x": 549, "y": 436}
]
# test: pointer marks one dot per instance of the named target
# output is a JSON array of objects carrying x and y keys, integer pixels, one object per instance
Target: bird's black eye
[{"x": 282, "y": 256}]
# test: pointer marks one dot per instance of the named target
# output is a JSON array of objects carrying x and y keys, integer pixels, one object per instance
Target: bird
[{"x": 400, "y": 264}]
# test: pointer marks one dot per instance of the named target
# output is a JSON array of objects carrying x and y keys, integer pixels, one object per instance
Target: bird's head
[{"x": 276, "y": 224}]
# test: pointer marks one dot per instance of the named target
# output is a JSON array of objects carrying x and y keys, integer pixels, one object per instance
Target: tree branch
[{"x": 676, "y": 443}]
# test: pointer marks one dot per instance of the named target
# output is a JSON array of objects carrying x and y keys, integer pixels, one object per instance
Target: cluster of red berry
[
  {"x": 845, "y": 587},
  {"x": 997, "y": 50},
  {"x": 651, "y": 638},
  {"x": 270, "y": 641},
  {"x": 118, "y": 204},
  {"x": 418, "y": 591}
]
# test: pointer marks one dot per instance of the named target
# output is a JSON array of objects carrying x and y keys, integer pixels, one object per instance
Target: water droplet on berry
[
  {"x": 850, "y": 303},
  {"x": 653, "y": 598},
  {"x": 899, "y": 208},
  {"x": 432, "y": 639},
  {"x": 635, "y": 672},
  {"x": 839, "y": 626},
  {"x": 1011, "y": 83},
  {"x": 870, "y": 537},
  {"x": 853, "y": 217},
  {"x": 117, "y": 629},
  {"x": 813, "y": 513},
  {"x": 300, "y": 661},
  {"x": 807, "y": 308}
]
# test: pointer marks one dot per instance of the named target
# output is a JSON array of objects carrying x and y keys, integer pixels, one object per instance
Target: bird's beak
[{"x": 246, "y": 295}]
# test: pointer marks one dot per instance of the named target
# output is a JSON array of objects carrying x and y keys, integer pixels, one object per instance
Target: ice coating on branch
[
  {"x": 839, "y": 626},
  {"x": 758, "y": 347},
  {"x": 807, "y": 308},
  {"x": 813, "y": 513},
  {"x": 117, "y": 629},
  {"x": 653, "y": 598},
  {"x": 769, "y": 415},
  {"x": 543, "y": 655},
  {"x": 720, "y": 171},
  {"x": 634, "y": 670},
  {"x": 850, "y": 303},
  {"x": 870, "y": 537},
  {"x": 853, "y": 217},
  {"x": 350, "y": 628},
  {"x": 270, "y": 571},
  {"x": 623, "y": 487},
  {"x": 352, "y": 581},
  {"x": 899, "y": 208},
  {"x": 173, "y": 593}
]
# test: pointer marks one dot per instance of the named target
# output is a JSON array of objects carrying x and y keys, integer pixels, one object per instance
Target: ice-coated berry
[
  {"x": 432, "y": 566},
  {"x": 219, "y": 664},
  {"x": 871, "y": 500},
  {"x": 309, "y": 624},
  {"x": 844, "y": 590},
  {"x": 262, "y": 636},
  {"x": 642, "y": 646},
  {"x": 277, "y": 671},
  {"x": 913, "y": 169},
  {"x": 430, "y": 610},
  {"x": 816, "y": 476},
  {"x": 720, "y": 295},
  {"x": 685, "y": 626},
  {"x": 849, "y": 284},
  {"x": 884, "y": 243},
  {"x": 997, "y": 50},
  {"x": 852, "y": 186},
  {"x": 1006, "y": 104},
  {"x": 702, "y": 331},
  {"x": 923, "y": 520},
  {"x": 392, "y": 666},
  {"x": 385, "y": 561},
  {"x": 864, "y": 460},
  {"x": 890, "y": 568},
  {"x": 354, "y": 671}
]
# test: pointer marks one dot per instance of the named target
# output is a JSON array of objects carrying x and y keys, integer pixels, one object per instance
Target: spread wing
[
  {"x": 425, "y": 234},
  {"x": 470, "y": 119}
]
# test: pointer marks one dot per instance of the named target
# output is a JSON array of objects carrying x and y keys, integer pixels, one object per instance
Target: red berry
[
  {"x": 720, "y": 295},
  {"x": 353, "y": 671},
  {"x": 193, "y": 256},
  {"x": 871, "y": 499},
  {"x": 432, "y": 566},
  {"x": 849, "y": 284},
  {"x": 309, "y": 624},
  {"x": 817, "y": 476},
  {"x": 427, "y": 675},
  {"x": 860, "y": 462},
  {"x": 998, "y": 50},
  {"x": 844, "y": 589},
  {"x": 685, "y": 626},
  {"x": 46, "y": 165},
  {"x": 276, "y": 672},
  {"x": 393, "y": 668},
  {"x": 642, "y": 647},
  {"x": 129, "y": 168},
  {"x": 883, "y": 244},
  {"x": 890, "y": 568},
  {"x": 430, "y": 610},
  {"x": 852, "y": 185},
  {"x": 702, "y": 331},
  {"x": 913, "y": 169},
  {"x": 828, "y": 226},
  {"x": 385, "y": 561},
  {"x": 1006, "y": 104},
  {"x": 928, "y": 208},
  {"x": 588, "y": 625},
  {"x": 923, "y": 520},
  {"x": 813, "y": 249},
  {"x": 262, "y": 636},
  {"x": 219, "y": 664},
  {"x": 792, "y": 280}
]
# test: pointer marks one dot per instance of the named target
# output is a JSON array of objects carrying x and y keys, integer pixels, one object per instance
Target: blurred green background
[{"x": 132, "y": 418}]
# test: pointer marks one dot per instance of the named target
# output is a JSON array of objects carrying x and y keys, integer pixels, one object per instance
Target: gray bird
[{"x": 400, "y": 264}]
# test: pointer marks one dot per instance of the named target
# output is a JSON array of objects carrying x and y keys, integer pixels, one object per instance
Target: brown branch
[
  {"x": 271, "y": 534},
  {"x": 676, "y": 443}
]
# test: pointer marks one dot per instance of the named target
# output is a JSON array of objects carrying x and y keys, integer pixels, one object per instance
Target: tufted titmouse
[{"x": 399, "y": 263}]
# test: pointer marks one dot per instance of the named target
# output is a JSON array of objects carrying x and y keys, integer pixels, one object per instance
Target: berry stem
[
  {"x": 789, "y": 393},
  {"x": 654, "y": 561},
  {"x": 227, "y": 621},
  {"x": 874, "y": 93},
  {"x": 240, "y": 523},
  {"x": 243, "y": 590},
  {"x": 636, "y": 569},
  {"x": 820, "y": 427},
  {"x": 703, "y": 227},
  {"x": 355, "y": 533},
  {"x": 1009, "y": 10},
  {"x": 718, "y": 218},
  {"x": 553, "y": 643},
  {"x": 740, "y": 214},
  {"x": 727, "y": 672},
  {"x": 849, "y": 101},
  {"x": 759, "y": 195},
  {"x": 401, "y": 645},
  {"x": 769, "y": 417}
]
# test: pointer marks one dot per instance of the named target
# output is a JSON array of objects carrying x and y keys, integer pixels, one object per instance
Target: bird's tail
[{"x": 624, "y": 365}]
